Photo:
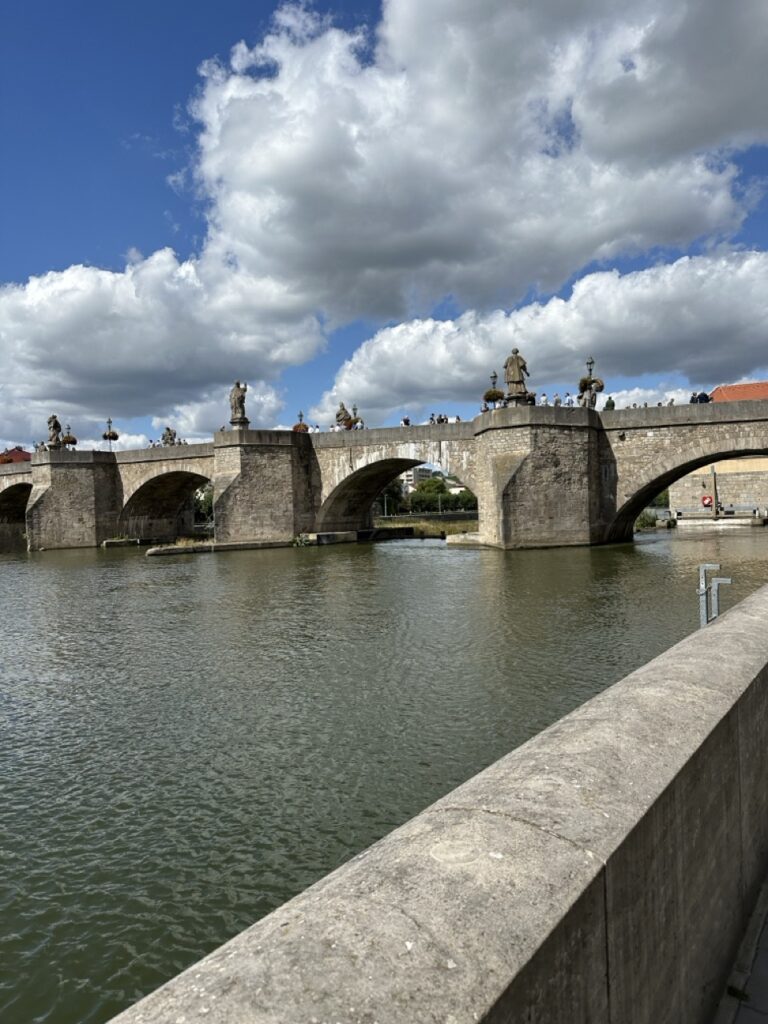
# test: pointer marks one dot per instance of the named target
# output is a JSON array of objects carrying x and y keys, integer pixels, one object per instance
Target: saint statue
[
  {"x": 237, "y": 402},
  {"x": 54, "y": 432},
  {"x": 515, "y": 372},
  {"x": 343, "y": 417}
]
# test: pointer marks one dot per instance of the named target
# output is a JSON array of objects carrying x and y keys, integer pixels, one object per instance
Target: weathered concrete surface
[{"x": 602, "y": 872}]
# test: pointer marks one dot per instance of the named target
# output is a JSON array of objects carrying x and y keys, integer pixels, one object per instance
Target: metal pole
[
  {"x": 714, "y": 493},
  {"x": 703, "y": 590},
  {"x": 717, "y": 582}
]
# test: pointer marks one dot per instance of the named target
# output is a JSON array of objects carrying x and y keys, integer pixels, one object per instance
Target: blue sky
[
  {"x": 94, "y": 114},
  {"x": 374, "y": 219}
]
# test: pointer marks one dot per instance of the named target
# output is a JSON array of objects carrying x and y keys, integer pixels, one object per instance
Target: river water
[{"x": 188, "y": 742}]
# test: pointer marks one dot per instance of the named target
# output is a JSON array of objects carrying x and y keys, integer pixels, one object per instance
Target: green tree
[
  {"x": 661, "y": 500},
  {"x": 204, "y": 503},
  {"x": 396, "y": 499},
  {"x": 467, "y": 501},
  {"x": 432, "y": 485}
]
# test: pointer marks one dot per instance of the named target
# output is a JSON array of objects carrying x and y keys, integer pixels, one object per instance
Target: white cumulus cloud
[{"x": 705, "y": 318}]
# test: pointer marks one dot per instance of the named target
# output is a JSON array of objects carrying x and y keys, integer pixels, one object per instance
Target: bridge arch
[
  {"x": 348, "y": 506},
  {"x": 648, "y": 485},
  {"x": 13, "y": 507},
  {"x": 13, "y": 502},
  {"x": 162, "y": 508}
]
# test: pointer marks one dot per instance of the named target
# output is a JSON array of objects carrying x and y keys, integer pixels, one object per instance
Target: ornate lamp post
[
  {"x": 109, "y": 434},
  {"x": 590, "y": 366},
  {"x": 300, "y": 427},
  {"x": 69, "y": 440},
  {"x": 492, "y": 396}
]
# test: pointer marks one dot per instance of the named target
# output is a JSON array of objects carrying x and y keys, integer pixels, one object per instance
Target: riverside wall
[{"x": 602, "y": 872}]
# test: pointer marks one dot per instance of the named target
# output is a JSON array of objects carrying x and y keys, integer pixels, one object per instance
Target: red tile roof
[
  {"x": 16, "y": 454},
  {"x": 740, "y": 392}
]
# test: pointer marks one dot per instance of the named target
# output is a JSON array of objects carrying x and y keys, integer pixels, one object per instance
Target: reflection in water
[{"x": 189, "y": 742}]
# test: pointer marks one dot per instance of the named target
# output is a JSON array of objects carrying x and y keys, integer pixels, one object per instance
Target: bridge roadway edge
[{"x": 602, "y": 872}]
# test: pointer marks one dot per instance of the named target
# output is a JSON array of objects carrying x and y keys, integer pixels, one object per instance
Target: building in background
[
  {"x": 411, "y": 478},
  {"x": 16, "y": 454}
]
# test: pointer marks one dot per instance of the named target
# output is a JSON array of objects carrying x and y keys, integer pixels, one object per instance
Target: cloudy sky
[{"x": 373, "y": 202}]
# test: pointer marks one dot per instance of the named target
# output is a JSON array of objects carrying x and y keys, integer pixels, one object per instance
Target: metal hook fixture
[{"x": 707, "y": 612}]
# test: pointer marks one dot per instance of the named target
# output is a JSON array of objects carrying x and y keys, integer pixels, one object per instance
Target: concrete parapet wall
[
  {"x": 15, "y": 469},
  {"x": 602, "y": 872}
]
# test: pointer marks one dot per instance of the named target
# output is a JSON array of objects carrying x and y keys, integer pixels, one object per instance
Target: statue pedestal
[
  {"x": 526, "y": 398},
  {"x": 240, "y": 423}
]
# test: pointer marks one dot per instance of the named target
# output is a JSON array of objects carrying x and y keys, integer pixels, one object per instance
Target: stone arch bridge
[{"x": 542, "y": 476}]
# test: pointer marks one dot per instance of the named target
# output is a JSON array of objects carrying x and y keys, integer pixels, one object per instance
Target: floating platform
[{"x": 709, "y": 522}]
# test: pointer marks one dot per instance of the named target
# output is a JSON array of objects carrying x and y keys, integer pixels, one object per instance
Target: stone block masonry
[
  {"x": 263, "y": 485},
  {"x": 74, "y": 501},
  {"x": 602, "y": 872}
]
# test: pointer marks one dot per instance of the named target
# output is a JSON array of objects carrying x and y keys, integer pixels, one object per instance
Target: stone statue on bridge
[
  {"x": 237, "y": 404},
  {"x": 343, "y": 417},
  {"x": 515, "y": 372},
  {"x": 54, "y": 432}
]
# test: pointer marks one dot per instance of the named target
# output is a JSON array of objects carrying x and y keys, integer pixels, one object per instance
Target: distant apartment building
[
  {"x": 411, "y": 478},
  {"x": 741, "y": 484}
]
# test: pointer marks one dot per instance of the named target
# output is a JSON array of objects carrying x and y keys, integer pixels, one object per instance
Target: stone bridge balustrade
[{"x": 542, "y": 476}]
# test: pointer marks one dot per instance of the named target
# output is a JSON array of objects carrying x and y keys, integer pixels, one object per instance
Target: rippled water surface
[{"x": 186, "y": 743}]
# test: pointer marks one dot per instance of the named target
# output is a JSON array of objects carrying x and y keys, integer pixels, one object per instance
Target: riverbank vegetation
[
  {"x": 435, "y": 494},
  {"x": 429, "y": 527}
]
